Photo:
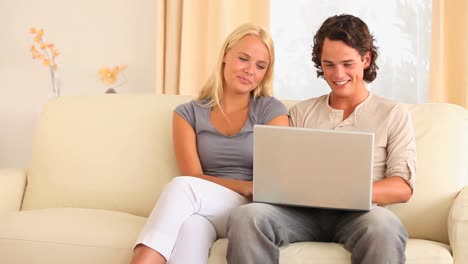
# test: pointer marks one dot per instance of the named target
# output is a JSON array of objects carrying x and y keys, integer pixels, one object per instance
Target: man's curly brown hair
[{"x": 352, "y": 31}]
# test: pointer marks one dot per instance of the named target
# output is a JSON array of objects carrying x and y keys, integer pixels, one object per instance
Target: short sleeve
[
  {"x": 187, "y": 112},
  {"x": 267, "y": 108},
  {"x": 401, "y": 146},
  {"x": 293, "y": 116}
]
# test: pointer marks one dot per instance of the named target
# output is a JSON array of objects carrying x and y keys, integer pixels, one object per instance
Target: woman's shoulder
[
  {"x": 192, "y": 105},
  {"x": 266, "y": 101},
  {"x": 265, "y": 108},
  {"x": 192, "y": 111}
]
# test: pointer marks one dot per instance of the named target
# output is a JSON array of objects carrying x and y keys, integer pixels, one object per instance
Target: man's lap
[{"x": 297, "y": 224}]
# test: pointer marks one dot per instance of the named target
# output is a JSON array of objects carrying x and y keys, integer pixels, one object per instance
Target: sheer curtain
[
  {"x": 190, "y": 34},
  {"x": 449, "y": 63},
  {"x": 402, "y": 29}
]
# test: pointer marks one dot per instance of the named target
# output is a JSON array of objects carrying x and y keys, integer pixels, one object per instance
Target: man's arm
[
  {"x": 397, "y": 186},
  {"x": 391, "y": 190}
]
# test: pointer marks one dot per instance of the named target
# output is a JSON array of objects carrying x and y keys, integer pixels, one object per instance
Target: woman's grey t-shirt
[{"x": 228, "y": 156}]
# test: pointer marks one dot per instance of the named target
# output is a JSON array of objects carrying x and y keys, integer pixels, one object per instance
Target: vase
[{"x": 55, "y": 81}]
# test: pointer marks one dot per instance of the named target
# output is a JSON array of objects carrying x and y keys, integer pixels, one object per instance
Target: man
[{"x": 345, "y": 56}]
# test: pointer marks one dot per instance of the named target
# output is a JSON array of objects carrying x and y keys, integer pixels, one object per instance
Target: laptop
[{"x": 313, "y": 167}]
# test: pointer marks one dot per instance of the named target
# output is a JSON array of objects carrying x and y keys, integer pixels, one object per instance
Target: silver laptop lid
[{"x": 312, "y": 167}]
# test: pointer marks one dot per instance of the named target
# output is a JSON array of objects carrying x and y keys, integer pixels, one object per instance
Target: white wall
[{"x": 89, "y": 35}]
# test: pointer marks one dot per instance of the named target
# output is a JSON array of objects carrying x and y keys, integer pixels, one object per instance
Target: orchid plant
[
  {"x": 46, "y": 53},
  {"x": 110, "y": 77}
]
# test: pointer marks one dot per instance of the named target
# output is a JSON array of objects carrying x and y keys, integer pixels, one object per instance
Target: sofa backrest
[
  {"x": 442, "y": 156},
  {"x": 107, "y": 152},
  {"x": 115, "y": 152}
]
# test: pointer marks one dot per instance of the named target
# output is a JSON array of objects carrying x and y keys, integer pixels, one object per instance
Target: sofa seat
[
  {"x": 69, "y": 235},
  {"x": 418, "y": 251},
  {"x": 76, "y": 235}
]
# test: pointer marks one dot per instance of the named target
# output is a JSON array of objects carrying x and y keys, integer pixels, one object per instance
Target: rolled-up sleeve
[{"x": 401, "y": 148}]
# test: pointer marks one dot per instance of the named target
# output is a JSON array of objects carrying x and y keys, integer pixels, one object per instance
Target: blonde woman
[{"x": 213, "y": 138}]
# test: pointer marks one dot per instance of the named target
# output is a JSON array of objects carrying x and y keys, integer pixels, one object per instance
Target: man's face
[{"x": 343, "y": 69}]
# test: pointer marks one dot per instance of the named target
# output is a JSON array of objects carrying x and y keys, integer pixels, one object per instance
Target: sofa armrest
[
  {"x": 12, "y": 185},
  {"x": 458, "y": 227}
]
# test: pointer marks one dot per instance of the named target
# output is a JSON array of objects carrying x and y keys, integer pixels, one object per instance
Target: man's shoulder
[
  {"x": 387, "y": 105},
  {"x": 384, "y": 101},
  {"x": 310, "y": 103}
]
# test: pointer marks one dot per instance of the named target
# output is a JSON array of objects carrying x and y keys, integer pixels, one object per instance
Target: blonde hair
[{"x": 212, "y": 90}]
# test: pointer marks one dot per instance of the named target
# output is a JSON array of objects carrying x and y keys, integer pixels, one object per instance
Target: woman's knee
[{"x": 197, "y": 225}]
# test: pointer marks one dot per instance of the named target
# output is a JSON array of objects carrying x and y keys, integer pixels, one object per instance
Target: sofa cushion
[
  {"x": 110, "y": 152},
  {"x": 73, "y": 235},
  {"x": 12, "y": 184}
]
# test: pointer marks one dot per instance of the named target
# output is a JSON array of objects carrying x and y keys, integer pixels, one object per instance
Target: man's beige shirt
[{"x": 394, "y": 143}]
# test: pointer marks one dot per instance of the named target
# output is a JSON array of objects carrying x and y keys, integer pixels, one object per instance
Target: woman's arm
[
  {"x": 282, "y": 120},
  {"x": 185, "y": 149}
]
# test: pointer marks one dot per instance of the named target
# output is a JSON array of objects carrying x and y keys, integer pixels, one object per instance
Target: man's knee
[
  {"x": 382, "y": 240},
  {"x": 241, "y": 216},
  {"x": 250, "y": 234},
  {"x": 385, "y": 227},
  {"x": 248, "y": 217}
]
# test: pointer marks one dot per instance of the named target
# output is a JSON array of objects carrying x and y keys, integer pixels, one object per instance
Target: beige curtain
[
  {"x": 189, "y": 37},
  {"x": 449, "y": 54}
]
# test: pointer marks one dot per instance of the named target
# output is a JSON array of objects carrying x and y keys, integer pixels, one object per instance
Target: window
[{"x": 402, "y": 29}]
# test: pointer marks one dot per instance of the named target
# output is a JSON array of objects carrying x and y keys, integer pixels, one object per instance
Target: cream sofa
[{"x": 100, "y": 162}]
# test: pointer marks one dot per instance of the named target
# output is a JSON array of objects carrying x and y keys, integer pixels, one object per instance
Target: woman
[{"x": 213, "y": 138}]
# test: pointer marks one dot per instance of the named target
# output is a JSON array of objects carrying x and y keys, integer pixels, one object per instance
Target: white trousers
[
  {"x": 194, "y": 241},
  {"x": 170, "y": 227}
]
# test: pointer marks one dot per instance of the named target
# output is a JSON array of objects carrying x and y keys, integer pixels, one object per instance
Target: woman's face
[{"x": 245, "y": 65}]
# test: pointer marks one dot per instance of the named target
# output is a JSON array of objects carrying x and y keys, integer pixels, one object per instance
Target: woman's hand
[{"x": 246, "y": 189}]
